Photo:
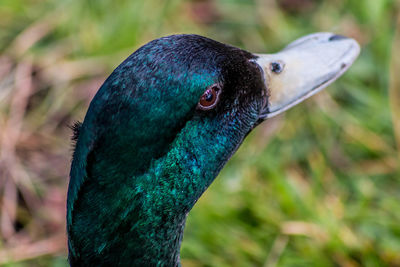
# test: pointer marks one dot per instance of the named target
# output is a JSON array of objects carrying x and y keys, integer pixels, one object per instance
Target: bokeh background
[{"x": 316, "y": 186}]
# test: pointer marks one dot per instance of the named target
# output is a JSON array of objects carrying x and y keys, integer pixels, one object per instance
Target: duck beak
[{"x": 303, "y": 68}]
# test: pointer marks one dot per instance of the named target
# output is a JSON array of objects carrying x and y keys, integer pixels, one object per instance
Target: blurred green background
[{"x": 317, "y": 186}]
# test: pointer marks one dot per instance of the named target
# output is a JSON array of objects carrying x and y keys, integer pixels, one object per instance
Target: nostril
[
  {"x": 276, "y": 67},
  {"x": 337, "y": 37}
]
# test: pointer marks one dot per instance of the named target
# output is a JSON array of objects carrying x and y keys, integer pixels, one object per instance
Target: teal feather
[{"x": 145, "y": 153}]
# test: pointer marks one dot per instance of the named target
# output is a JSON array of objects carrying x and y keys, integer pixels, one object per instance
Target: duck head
[{"x": 163, "y": 125}]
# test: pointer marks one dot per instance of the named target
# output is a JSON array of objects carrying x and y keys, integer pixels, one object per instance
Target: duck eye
[{"x": 210, "y": 97}]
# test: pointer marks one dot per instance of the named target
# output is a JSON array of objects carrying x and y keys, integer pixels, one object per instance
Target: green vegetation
[{"x": 317, "y": 186}]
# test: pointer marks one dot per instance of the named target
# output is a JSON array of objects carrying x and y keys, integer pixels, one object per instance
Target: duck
[{"x": 163, "y": 125}]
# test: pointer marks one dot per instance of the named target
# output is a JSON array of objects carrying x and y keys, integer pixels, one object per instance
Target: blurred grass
[{"x": 317, "y": 186}]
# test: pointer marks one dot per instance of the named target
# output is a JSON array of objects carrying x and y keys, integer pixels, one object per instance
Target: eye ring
[{"x": 210, "y": 97}]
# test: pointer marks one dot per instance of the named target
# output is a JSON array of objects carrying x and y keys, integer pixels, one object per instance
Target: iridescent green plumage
[{"x": 145, "y": 153}]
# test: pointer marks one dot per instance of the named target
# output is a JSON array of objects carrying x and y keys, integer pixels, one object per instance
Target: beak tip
[{"x": 337, "y": 37}]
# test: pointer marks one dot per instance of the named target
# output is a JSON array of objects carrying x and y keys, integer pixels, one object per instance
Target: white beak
[{"x": 303, "y": 68}]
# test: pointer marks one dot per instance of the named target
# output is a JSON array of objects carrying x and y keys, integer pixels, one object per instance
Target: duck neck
[
  {"x": 123, "y": 216},
  {"x": 129, "y": 222}
]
